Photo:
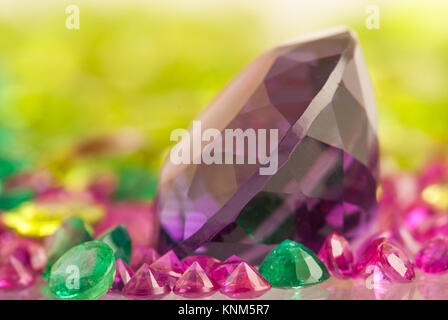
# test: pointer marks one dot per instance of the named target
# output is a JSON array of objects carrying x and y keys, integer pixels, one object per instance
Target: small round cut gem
[
  {"x": 15, "y": 275},
  {"x": 245, "y": 283},
  {"x": 292, "y": 265},
  {"x": 168, "y": 265},
  {"x": 433, "y": 257},
  {"x": 195, "y": 283},
  {"x": 122, "y": 276},
  {"x": 337, "y": 255},
  {"x": 146, "y": 285},
  {"x": 395, "y": 263}
]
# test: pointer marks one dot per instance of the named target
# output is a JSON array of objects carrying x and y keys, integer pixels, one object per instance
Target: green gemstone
[
  {"x": 84, "y": 272},
  {"x": 13, "y": 198},
  {"x": 119, "y": 240},
  {"x": 71, "y": 232},
  {"x": 292, "y": 265}
]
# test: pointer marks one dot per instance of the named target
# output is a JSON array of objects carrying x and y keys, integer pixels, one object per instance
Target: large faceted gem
[
  {"x": 85, "y": 272},
  {"x": 317, "y": 94}
]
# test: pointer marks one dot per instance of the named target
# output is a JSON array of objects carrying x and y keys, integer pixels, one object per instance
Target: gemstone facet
[
  {"x": 146, "y": 285},
  {"x": 195, "y": 283},
  {"x": 368, "y": 256},
  {"x": 387, "y": 263},
  {"x": 84, "y": 272},
  {"x": 292, "y": 265},
  {"x": 71, "y": 232},
  {"x": 119, "y": 240},
  {"x": 337, "y": 255},
  {"x": 15, "y": 275},
  {"x": 433, "y": 257},
  {"x": 317, "y": 94},
  {"x": 395, "y": 263},
  {"x": 168, "y": 266},
  {"x": 122, "y": 276},
  {"x": 245, "y": 283},
  {"x": 220, "y": 273}
]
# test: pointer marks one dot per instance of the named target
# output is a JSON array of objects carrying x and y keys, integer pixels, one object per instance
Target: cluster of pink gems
[
  {"x": 383, "y": 260},
  {"x": 414, "y": 228},
  {"x": 21, "y": 260},
  {"x": 195, "y": 277},
  {"x": 414, "y": 220}
]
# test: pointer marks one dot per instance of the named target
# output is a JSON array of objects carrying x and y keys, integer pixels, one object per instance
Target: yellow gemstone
[
  {"x": 41, "y": 219},
  {"x": 437, "y": 196}
]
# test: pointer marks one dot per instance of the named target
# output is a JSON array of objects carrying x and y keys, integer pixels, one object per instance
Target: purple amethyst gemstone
[{"x": 318, "y": 95}]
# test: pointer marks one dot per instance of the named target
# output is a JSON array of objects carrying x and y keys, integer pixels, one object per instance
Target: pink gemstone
[
  {"x": 195, "y": 283},
  {"x": 168, "y": 267},
  {"x": 146, "y": 285},
  {"x": 395, "y": 264},
  {"x": 14, "y": 275},
  {"x": 30, "y": 253},
  {"x": 245, "y": 283},
  {"x": 220, "y": 274},
  {"x": 206, "y": 262},
  {"x": 122, "y": 276},
  {"x": 401, "y": 236},
  {"x": 368, "y": 256},
  {"x": 139, "y": 219},
  {"x": 337, "y": 255},
  {"x": 143, "y": 254},
  {"x": 35, "y": 256},
  {"x": 433, "y": 257}
]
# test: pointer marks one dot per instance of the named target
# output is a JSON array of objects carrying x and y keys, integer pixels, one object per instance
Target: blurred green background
[{"x": 153, "y": 65}]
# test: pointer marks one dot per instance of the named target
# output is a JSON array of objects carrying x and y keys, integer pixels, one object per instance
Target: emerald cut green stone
[
  {"x": 119, "y": 240},
  {"x": 292, "y": 265},
  {"x": 84, "y": 272},
  {"x": 71, "y": 232}
]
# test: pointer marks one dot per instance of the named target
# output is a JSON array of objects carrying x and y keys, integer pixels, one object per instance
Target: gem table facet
[
  {"x": 146, "y": 285},
  {"x": 84, "y": 272},
  {"x": 433, "y": 257},
  {"x": 245, "y": 283},
  {"x": 119, "y": 240},
  {"x": 195, "y": 283},
  {"x": 71, "y": 232},
  {"x": 317, "y": 94},
  {"x": 337, "y": 255},
  {"x": 395, "y": 264},
  {"x": 292, "y": 265}
]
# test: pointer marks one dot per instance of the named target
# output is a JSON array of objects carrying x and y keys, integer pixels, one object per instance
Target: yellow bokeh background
[{"x": 154, "y": 65}]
